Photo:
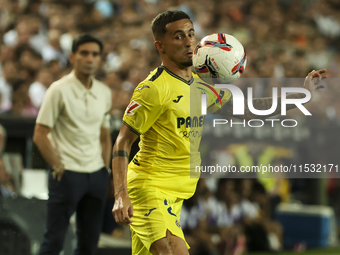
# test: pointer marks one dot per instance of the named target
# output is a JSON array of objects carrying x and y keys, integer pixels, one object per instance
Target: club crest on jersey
[{"x": 130, "y": 110}]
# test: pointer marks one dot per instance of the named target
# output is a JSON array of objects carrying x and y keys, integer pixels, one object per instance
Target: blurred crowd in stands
[{"x": 282, "y": 39}]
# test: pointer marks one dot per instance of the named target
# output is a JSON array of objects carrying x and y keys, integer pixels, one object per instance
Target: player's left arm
[
  {"x": 105, "y": 141},
  {"x": 266, "y": 103}
]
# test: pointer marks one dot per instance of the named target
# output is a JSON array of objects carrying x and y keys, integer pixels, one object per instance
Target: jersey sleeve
[
  {"x": 216, "y": 103},
  {"x": 51, "y": 107},
  {"x": 144, "y": 109}
]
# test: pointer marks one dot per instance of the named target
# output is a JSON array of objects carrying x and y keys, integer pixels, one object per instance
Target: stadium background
[{"x": 282, "y": 38}]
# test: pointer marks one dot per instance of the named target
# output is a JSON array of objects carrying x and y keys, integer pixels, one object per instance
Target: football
[{"x": 219, "y": 58}]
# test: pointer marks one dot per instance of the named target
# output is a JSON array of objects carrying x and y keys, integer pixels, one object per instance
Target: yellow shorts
[{"x": 153, "y": 213}]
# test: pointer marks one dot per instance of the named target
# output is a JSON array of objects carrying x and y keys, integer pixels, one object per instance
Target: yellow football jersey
[{"x": 170, "y": 124}]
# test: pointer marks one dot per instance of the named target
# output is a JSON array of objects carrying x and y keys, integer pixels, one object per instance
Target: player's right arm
[
  {"x": 122, "y": 209},
  {"x": 144, "y": 109},
  {"x": 310, "y": 84}
]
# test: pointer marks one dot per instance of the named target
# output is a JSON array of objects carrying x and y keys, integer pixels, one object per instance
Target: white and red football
[{"x": 219, "y": 58}]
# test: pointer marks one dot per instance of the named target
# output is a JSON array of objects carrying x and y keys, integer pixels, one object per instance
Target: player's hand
[
  {"x": 122, "y": 209},
  {"x": 58, "y": 172},
  {"x": 312, "y": 78}
]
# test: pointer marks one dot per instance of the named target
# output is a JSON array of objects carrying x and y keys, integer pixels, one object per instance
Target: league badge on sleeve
[{"x": 132, "y": 107}]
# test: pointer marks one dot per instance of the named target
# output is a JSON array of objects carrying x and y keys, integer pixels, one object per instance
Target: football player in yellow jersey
[{"x": 150, "y": 194}]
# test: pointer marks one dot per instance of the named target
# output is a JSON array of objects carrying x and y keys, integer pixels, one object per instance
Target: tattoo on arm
[
  {"x": 118, "y": 191},
  {"x": 259, "y": 104},
  {"x": 120, "y": 153},
  {"x": 266, "y": 103}
]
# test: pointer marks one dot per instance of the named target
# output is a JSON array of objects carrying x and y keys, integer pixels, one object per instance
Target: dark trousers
[{"x": 84, "y": 194}]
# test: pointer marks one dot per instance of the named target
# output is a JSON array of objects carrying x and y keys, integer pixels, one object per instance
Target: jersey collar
[{"x": 178, "y": 77}]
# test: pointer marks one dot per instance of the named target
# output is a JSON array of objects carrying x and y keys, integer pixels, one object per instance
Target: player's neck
[
  {"x": 184, "y": 72},
  {"x": 86, "y": 80}
]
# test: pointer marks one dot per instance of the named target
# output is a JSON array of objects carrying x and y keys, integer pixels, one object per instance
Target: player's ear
[{"x": 159, "y": 46}]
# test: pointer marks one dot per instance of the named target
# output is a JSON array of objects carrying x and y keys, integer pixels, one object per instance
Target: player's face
[
  {"x": 179, "y": 42},
  {"x": 86, "y": 59}
]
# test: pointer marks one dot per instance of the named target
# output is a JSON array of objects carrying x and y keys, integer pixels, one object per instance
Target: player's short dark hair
[
  {"x": 159, "y": 23},
  {"x": 85, "y": 38}
]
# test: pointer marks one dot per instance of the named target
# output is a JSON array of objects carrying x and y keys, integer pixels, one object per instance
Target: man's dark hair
[
  {"x": 85, "y": 38},
  {"x": 159, "y": 23}
]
